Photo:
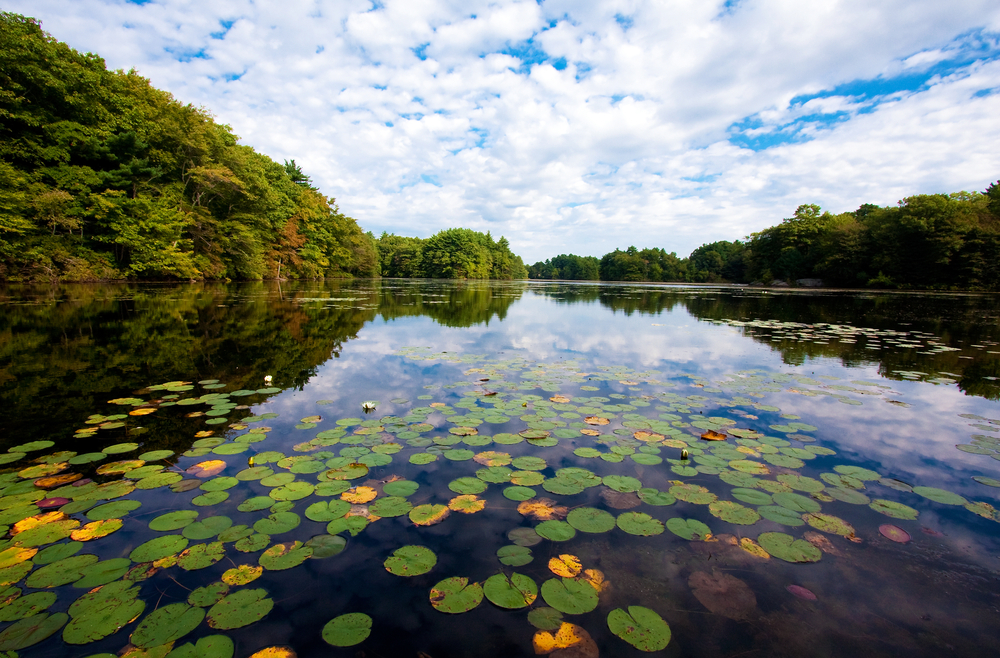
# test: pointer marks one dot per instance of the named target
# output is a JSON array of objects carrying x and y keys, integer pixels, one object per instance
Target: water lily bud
[{"x": 684, "y": 454}]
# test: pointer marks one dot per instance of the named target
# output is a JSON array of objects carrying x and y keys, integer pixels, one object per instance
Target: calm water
[{"x": 852, "y": 424}]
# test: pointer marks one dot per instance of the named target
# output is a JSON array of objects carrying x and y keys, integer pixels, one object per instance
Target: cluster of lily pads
[{"x": 344, "y": 474}]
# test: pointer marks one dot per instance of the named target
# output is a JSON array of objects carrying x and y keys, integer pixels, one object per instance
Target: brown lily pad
[{"x": 723, "y": 594}]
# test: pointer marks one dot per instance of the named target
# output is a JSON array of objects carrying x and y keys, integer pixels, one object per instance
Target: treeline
[
  {"x": 455, "y": 253},
  {"x": 927, "y": 241},
  {"x": 102, "y": 176}
]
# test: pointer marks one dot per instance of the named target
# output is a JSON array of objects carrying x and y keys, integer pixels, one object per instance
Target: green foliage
[
  {"x": 103, "y": 176},
  {"x": 567, "y": 266},
  {"x": 455, "y": 253}
]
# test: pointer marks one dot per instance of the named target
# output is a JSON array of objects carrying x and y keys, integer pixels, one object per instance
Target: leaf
[
  {"x": 96, "y": 530},
  {"x": 555, "y": 530},
  {"x": 285, "y": 556},
  {"x": 240, "y": 609},
  {"x": 893, "y": 509},
  {"x": 207, "y": 469},
  {"x": 591, "y": 520},
  {"x": 568, "y": 640},
  {"x": 570, "y": 596},
  {"x": 466, "y": 504},
  {"x": 733, "y": 512},
  {"x": 785, "y": 547},
  {"x": 567, "y": 566},
  {"x": 173, "y": 520},
  {"x": 411, "y": 561},
  {"x": 723, "y": 594},
  {"x": 158, "y": 548},
  {"x": 102, "y": 612},
  {"x": 167, "y": 624},
  {"x": 455, "y": 595},
  {"x": 208, "y": 595},
  {"x": 690, "y": 529},
  {"x": 641, "y": 627},
  {"x": 516, "y": 591},
  {"x": 424, "y": 515},
  {"x": 829, "y": 523},
  {"x": 347, "y": 630},
  {"x": 542, "y": 509},
  {"x": 467, "y": 485},
  {"x": 894, "y": 533},
  {"x": 940, "y": 495},
  {"x": 201, "y": 556},
  {"x": 514, "y": 556},
  {"x": 31, "y": 630},
  {"x": 638, "y": 523}
]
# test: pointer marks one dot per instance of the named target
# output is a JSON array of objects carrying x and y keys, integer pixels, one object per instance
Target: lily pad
[
  {"x": 591, "y": 519},
  {"x": 210, "y": 527},
  {"x": 514, "y": 592},
  {"x": 167, "y": 624},
  {"x": 285, "y": 556},
  {"x": 31, "y": 630},
  {"x": 546, "y": 619},
  {"x": 102, "y": 612},
  {"x": 201, "y": 556},
  {"x": 456, "y": 595},
  {"x": 63, "y": 572},
  {"x": 554, "y": 530},
  {"x": 796, "y": 502},
  {"x": 159, "y": 548},
  {"x": 893, "y": 509},
  {"x": 212, "y": 646},
  {"x": 569, "y": 595},
  {"x": 514, "y": 556},
  {"x": 638, "y": 523},
  {"x": 467, "y": 485},
  {"x": 208, "y": 595},
  {"x": 428, "y": 514},
  {"x": 391, "y": 506},
  {"x": 623, "y": 483},
  {"x": 278, "y": 523},
  {"x": 411, "y": 561},
  {"x": 781, "y": 515},
  {"x": 733, "y": 512},
  {"x": 641, "y": 627},
  {"x": 857, "y": 472},
  {"x": 400, "y": 488},
  {"x": 940, "y": 496},
  {"x": 829, "y": 523},
  {"x": 785, "y": 547},
  {"x": 524, "y": 536},
  {"x": 347, "y": 630},
  {"x": 240, "y": 609},
  {"x": 690, "y": 529}
]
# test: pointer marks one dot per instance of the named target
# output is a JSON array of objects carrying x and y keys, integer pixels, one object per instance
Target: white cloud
[{"x": 628, "y": 143}]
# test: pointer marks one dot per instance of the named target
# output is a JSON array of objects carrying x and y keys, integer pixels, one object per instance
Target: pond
[{"x": 445, "y": 469}]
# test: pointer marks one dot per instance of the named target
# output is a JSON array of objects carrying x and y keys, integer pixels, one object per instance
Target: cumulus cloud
[{"x": 572, "y": 127}]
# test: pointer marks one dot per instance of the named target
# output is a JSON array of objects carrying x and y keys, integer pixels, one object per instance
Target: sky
[{"x": 580, "y": 127}]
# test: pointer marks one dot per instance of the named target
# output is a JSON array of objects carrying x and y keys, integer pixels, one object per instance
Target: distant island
[{"x": 104, "y": 177}]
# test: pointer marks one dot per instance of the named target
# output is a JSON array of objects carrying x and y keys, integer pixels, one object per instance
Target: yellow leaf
[
  {"x": 204, "y": 434},
  {"x": 542, "y": 509},
  {"x": 712, "y": 435},
  {"x": 143, "y": 411},
  {"x": 647, "y": 436},
  {"x": 437, "y": 404},
  {"x": 57, "y": 480},
  {"x": 207, "y": 468},
  {"x": 96, "y": 530},
  {"x": 165, "y": 562},
  {"x": 242, "y": 575},
  {"x": 590, "y": 432},
  {"x": 467, "y": 504},
  {"x": 567, "y": 636},
  {"x": 567, "y": 566},
  {"x": 275, "y": 652},
  {"x": 42, "y": 470},
  {"x": 596, "y": 420},
  {"x": 559, "y": 399},
  {"x": 36, "y": 520},
  {"x": 595, "y": 578},
  {"x": 748, "y": 451},
  {"x": 753, "y": 548},
  {"x": 16, "y": 555},
  {"x": 359, "y": 495}
]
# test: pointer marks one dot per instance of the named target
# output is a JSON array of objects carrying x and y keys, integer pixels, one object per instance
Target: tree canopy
[{"x": 455, "y": 253}]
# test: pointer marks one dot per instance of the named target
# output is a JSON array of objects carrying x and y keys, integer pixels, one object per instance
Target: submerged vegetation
[{"x": 927, "y": 241}]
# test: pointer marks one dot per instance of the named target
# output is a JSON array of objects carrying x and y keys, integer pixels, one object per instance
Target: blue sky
[{"x": 580, "y": 127}]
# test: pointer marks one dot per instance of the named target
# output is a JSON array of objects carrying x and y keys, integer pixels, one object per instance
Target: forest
[
  {"x": 456, "y": 253},
  {"x": 926, "y": 241},
  {"x": 103, "y": 176}
]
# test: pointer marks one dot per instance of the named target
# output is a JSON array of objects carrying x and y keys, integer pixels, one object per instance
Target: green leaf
[
  {"x": 456, "y": 595},
  {"x": 31, "y": 630},
  {"x": 159, "y": 548},
  {"x": 555, "y": 530},
  {"x": 514, "y": 592},
  {"x": 167, "y": 624},
  {"x": 641, "y": 627},
  {"x": 63, "y": 572},
  {"x": 278, "y": 523},
  {"x": 411, "y": 561},
  {"x": 893, "y": 509},
  {"x": 391, "y": 506},
  {"x": 733, "y": 512},
  {"x": 940, "y": 495},
  {"x": 208, "y": 595},
  {"x": 240, "y": 609},
  {"x": 201, "y": 556},
  {"x": 690, "y": 529},
  {"x": 324, "y": 546},
  {"x": 638, "y": 523},
  {"x": 591, "y": 519},
  {"x": 347, "y": 630},
  {"x": 514, "y": 556},
  {"x": 785, "y": 547},
  {"x": 212, "y": 646},
  {"x": 781, "y": 515},
  {"x": 568, "y": 595},
  {"x": 468, "y": 485}
]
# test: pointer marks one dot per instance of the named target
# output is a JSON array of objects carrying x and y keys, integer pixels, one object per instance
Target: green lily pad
[
  {"x": 570, "y": 596},
  {"x": 519, "y": 493},
  {"x": 285, "y": 556},
  {"x": 103, "y": 572},
  {"x": 801, "y": 482},
  {"x": 324, "y": 546},
  {"x": 641, "y": 627},
  {"x": 292, "y": 491},
  {"x": 102, "y": 612},
  {"x": 167, "y": 624},
  {"x": 796, "y": 502},
  {"x": 555, "y": 530},
  {"x": 751, "y": 496},
  {"x": 325, "y": 511},
  {"x": 829, "y": 523},
  {"x": 255, "y": 504},
  {"x": 545, "y": 619},
  {"x": 529, "y": 463},
  {"x": 495, "y": 474},
  {"x": 733, "y": 512},
  {"x": 467, "y": 485},
  {"x": 458, "y": 454},
  {"x": 65, "y": 571},
  {"x": 352, "y": 524},
  {"x": 562, "y": 486},
  {"x": 114, "y": 510},
  {"x": 847, "y": 496},
  {"x": 893, "y": 509},
  {"x": 278, "y": 523},
  {"x": 692, "y": 493},
  {"x": 240, "y": 609},
  {"x": 781, "y": 515},
  {"x": 656, "y": 497},
  {"x": 201, "y": 556},
  {"x": 514, "y": 592},
  {"x": 422, "y": 458},
  {"x": 31, "y": 630},
  {"x": 212, "y": 646},
  {"x": 524, "y": 536},
  {"x": 347, "y": 630},
  {"x": 208, "y": 595},
  {"x": 785, "y": 547},
  {"x": 27, "y": 606},
  {"x": 159, "y": 548},
  {"x": 411, "y": 561},
  {"x": 210, "y": 498},
  {"x": 173, "y": 520},
  {"x": 391, "y": 506},
  {"x": 514, "y": 556},
  {"x": 591, "y": 519},
  {"x": 456, "y": 595},
  {"x": 206, "y": 529},
  {"x": 221, "y": 483},
  {"x": 622, "y": 483},
  {"x": 690, "y": 529},
  {"x": 857, "y": 472},
  {"x": 940, "y": 496},
  {"x": 57, "y": 552},
  {"x": 162, "y": 480},
  {"x": 400, "y": 488},
  {"x": 638, "y": 523}
]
